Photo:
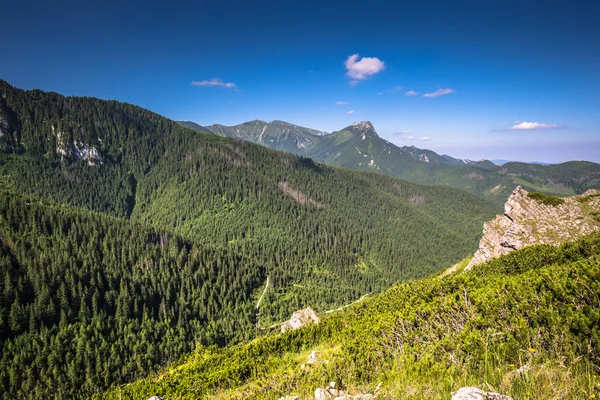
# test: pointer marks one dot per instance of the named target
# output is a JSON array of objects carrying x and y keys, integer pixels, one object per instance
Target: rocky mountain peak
[
  {"x": 532, "y": 218},
  {"x": 363, "y": 128}
]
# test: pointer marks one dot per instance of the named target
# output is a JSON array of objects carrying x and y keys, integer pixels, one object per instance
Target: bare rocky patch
[{"x": 298, "y": 195}]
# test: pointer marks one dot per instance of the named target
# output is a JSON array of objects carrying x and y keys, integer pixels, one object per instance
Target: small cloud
[
  {"x": 214, "y": 82},
  {"x": 379, "y": 94},
  {"x": 532, "y": 126},
  {"x": 425, "y": 138},
  {"x": 342, "y": 103},
  {"x": 408, "y": 138},
  {"x": 406, "y": 132},
  {"x": 437, "y": 93},
  {"x": 350, "y": 112},
  {"x": 362, "y": 69},
  {"x": 411, "y": 93},
  {"x": 396, "y": 89}
]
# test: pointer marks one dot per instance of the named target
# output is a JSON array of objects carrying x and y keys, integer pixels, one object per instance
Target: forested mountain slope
[
  {"x": 525, "y": 325},
  {"x": 359, "y": 146},
  {"x": 115, "y": 177}
]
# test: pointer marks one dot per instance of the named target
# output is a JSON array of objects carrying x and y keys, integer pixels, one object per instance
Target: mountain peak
[
  {"x": 364, "y": 128},
  {"x": 363, "y": 125}
]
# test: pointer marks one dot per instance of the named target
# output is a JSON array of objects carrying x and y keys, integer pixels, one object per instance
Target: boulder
[
  {"x": 313, "y": 357},
  {"x": 299, "y": 319},
  {"x": 473, "y": 393}
]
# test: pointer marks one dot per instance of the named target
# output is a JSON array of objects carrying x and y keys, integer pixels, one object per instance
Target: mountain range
[
  {"x": 358, "y": 146},
  {"x": 132, "y": 246},
  {"x": 129, "y": 239}
]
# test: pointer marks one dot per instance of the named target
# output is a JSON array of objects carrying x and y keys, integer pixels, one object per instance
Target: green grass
[
  {"x": 545, "y": 199},
  {"x": 425, "y": 339},
  {"x": 557, "y": 190}
]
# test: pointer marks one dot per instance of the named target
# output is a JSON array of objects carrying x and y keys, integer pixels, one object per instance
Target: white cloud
[
  {"x": 439, "y": 92},
  {"x": 342, "y": 103},
  {"x": 532, "y": 125},
  {"x": 406, "y": 132},
  {"x": 366, "y": 67},
  {"x": 214, "y": 82},
  {"x": 379, "y": 94},
  {"x": 425, "y": 138},
  {"x": 396, "y": 89},
  {"x": 411, "y": 93},
  {"x": 408, "y": 138},
  {"x": 350, "y": 112}
]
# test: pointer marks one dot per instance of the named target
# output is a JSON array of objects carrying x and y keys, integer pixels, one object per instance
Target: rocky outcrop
[
  {"x": 528, "y": 221},
  {"x": 332, "y": 392},
  {"x": 473, "y": 393},
  {"x": 76, "y": 150},
  {"x": 299, "y": 319}
]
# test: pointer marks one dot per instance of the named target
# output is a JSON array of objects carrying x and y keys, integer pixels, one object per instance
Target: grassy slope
[{"x": 425, "y": 339}]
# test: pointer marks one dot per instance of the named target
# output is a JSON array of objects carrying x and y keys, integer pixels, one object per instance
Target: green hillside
[
  {"x": 525, "y": 325},
  {"x": 114, "y": 202}
]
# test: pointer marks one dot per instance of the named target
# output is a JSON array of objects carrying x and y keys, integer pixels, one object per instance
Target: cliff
[{"x": 531, "y": 218}]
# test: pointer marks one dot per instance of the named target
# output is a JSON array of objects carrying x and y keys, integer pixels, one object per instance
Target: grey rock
[
  {"x": 473, "y": 393},
  {"x": 299, "y": 319},
  {"x": 526, "y": 222},
  {"x": 313, "y": 357}
]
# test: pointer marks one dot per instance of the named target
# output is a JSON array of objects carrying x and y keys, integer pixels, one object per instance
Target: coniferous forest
[{"x": 127, "y": 240}]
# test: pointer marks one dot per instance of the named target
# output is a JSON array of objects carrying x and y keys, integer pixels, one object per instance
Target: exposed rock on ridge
[
  {"x": 527, "y": 222},
  {"x": 300, "y": 318}
]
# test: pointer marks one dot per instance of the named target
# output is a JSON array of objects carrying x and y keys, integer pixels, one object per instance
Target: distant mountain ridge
[
  {"x": 358, "y": 146},
  {"x": 278, "y": 135}
]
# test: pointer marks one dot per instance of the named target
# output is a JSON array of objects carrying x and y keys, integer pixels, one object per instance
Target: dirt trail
[{"x": 263, "y": 293}]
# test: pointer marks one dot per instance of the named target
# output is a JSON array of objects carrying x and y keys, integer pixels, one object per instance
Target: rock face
[
  {"x": 299, "y": 319},
  {"x": 473, "y": 393},
  {"x": 527, "y": 222}
]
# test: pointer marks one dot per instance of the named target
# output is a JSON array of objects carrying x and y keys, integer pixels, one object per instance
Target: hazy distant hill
[{"x": 359, "y": 146}]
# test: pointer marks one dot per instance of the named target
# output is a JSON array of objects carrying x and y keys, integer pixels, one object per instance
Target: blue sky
[{"x": 497, "y": 65}]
